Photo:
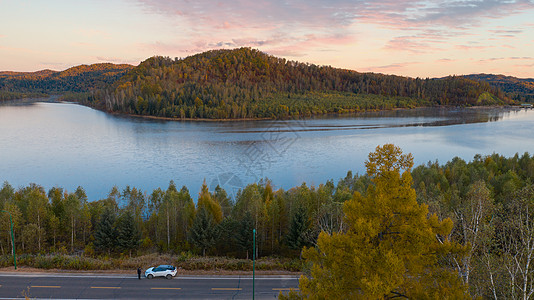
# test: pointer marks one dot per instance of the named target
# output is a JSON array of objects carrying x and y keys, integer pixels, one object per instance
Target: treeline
[
  {"x": 169, "y": 220},
  {"x": 83, "y": 78},
  {"x": 4, "y": 96},
  {"x": 246, "y": 83},
  {"x": 490, "y": 201},
  {"x": 519, "y": 89}
]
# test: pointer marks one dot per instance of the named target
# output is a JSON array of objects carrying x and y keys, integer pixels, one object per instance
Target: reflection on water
[
  {"x": 391, "y": 119},
  {"x": 28, "y": 101},
  {"x": 66, "y": 145}
]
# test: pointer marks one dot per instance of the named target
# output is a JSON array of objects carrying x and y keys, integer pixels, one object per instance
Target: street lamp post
[{"x": 12, "y": 239}]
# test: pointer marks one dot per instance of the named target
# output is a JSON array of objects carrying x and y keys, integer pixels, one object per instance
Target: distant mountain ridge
[
  {"x": 519, "y": 89},
  {"x": 81, "y": 78},
  {"x": 41, "y": 73}
]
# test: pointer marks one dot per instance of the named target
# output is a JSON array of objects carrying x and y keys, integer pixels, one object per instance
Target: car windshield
[{"x": 165, "y": 267}]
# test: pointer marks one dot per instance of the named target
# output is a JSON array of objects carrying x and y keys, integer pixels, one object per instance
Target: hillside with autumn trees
[
  {"x": 242, "y": 84},
  {"x": 247, "y": 83},
  {"x": 519, "y": 89},
  {"x": 79, "y": 79}
]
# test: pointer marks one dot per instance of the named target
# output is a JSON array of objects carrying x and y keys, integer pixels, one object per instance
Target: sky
[{"x": 409, "y": 38}]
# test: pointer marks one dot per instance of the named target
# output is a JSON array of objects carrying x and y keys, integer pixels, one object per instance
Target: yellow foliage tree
[
  {"x": 209, "y": 204},
  {"x": 392, "y": 248}
]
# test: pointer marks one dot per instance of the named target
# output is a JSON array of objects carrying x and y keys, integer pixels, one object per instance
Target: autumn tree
[
  {"x": 206, "y": 201},
  {"x": 72, "y": 211},
  {"x": 391, "y": 248},
  {"x": 37, "y": 211}
]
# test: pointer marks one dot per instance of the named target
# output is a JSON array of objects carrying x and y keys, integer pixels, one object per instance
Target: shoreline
[
  {"x": 307, "y": 117},
  {"x": 57, "y": 99}
]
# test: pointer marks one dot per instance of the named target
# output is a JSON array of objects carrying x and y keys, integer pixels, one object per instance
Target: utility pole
[
  {"x": 12, "y": 239},
  {"x": 253, "y": 261}
]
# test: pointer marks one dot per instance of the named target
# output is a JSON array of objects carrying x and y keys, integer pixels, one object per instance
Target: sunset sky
[{"x": 411, "y": 38}]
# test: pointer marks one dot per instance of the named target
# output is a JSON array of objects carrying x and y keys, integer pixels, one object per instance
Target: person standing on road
[{"x": 139, "y": 273}]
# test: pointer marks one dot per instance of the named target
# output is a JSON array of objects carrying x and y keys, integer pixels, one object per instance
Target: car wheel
[
  {"x": 150, "y": 276},
  {"x": 169, "y": 276}
]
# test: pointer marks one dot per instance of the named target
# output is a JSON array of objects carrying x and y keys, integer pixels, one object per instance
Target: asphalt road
[{"x": 84, "y": 286}]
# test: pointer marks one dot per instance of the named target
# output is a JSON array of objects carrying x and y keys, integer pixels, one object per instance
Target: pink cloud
[
  {"x": 524, "y": 66},
  {"x": 299, "y": 47},
  {"x": 512, "y": 58},
  {"x": 278, "y": 44},
  {"x": 492, "y": 59},
  {"x": 471, "y": 47},
  {"x": 521, "y": 58},
  {"x": 328, "y": 15},
  {"x": 118, "y": 60},
  {"x": 414, "y": 44},
  {"x": 445, "y": 60},
  {"x": 286, "y": 52},
  {"x": 406, "y": 43},
  {"x": 504, "y": 34},
  {"x": 227, "y": 24},
  {"x": 422, "y": 42},
  {"x": 394, "y": 67},
  {"x": 471, "y": 12}
]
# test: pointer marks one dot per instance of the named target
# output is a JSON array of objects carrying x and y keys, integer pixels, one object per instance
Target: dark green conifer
[
  {"x": 106, "y": 234},
  {"x": 128, "y": 236},
  {"x": 204, "y": 231}
]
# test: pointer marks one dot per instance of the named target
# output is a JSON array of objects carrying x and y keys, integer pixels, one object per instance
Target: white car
[{"x": 166, "y": 271}]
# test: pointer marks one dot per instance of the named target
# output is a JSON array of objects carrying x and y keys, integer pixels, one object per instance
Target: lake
[{"x": 68, "y": 145}]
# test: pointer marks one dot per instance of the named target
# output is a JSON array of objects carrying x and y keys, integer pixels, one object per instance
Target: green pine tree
[
  {"x": 105, "y": 233},
  {"x": 204, "y": 231},
  {"x": 244, "y": 233},
  {"x": 299, "y": 231},
  {"x": 128, "y": 236}
]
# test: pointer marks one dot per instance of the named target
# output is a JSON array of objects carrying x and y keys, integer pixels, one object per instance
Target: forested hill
[
  {"x": 246, "y": 83},
  {"x": 520, "y": 89},
  {"x": 83, "y": 78}
]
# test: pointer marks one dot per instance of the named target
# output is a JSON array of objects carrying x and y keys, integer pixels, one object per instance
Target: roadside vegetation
[
  {"x": 481, "y": 210},
  {"x": 185, "y": 261}
]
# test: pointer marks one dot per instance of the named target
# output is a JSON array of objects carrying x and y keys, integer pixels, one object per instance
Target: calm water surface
[{"x": 68, "y": 145}]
